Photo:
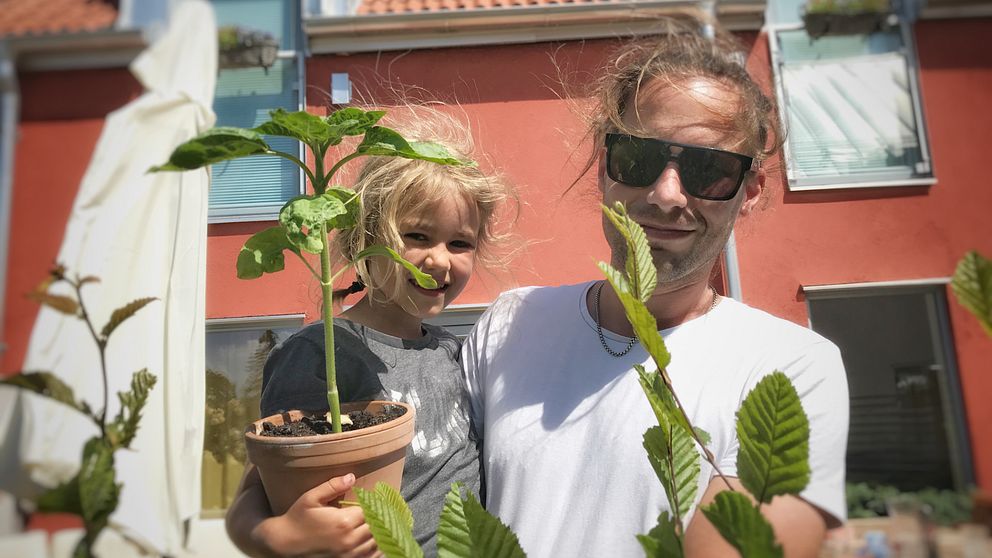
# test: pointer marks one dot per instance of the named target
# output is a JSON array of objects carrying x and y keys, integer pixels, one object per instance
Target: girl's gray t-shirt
[{"x": 423, "y": 372}]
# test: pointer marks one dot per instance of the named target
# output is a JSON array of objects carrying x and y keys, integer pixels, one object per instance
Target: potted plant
[
  {"x": 243, "y": 48},
  {"x": 846, "y": 17},
  {"x": 291, "y": 465},
  {"x": 92, "y": 493}
]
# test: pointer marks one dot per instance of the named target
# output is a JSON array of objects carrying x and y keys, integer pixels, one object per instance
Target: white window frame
[
  {"x": 271, "y": 212},
  {"x": 459, "y": 318},
  {"x": 959, "y": 441},
  {"x": 840, "y": 182}
]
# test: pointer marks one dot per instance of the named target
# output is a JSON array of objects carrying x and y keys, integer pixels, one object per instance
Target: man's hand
[
  {"x": 310, "y": 528},
  {"x": 799, "y": 526}
]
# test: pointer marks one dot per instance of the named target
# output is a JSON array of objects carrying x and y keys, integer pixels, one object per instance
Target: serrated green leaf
[
  {"x": 641, "y": 273},
  {"x": 47, "y": 384},
  {"x": 390, "y": 520},
  {"x": 663, "y": 540},
  {"x": 453, "y": 537},
  {"x": 353, "y": 121},
  {"x": 303, "y": 216},
  {"x": 672, "y": 453},
  {"x": 125, "y": 424},
  {"x": 703, "y": 435},
  {"x": 301, "y": 125},
  {"x": 422, "y": 279},
  {"x": 64, "y": 498},
  {"x": 98, "y": 491},
  {"x": 386, "y": 142},
  {"x": 972, "y": 284},
  {"x": 124, "y": 312},
  {"x": 490, "y": 537},
  {"x": 774, "y": 439},
  {"x": 640, "y": 318},
  {"x": 741, "y": 524},
  {"x": 213, "y": 146},
  {"x": 263, "y": 253},
  {"x": 61, "y": 303}
]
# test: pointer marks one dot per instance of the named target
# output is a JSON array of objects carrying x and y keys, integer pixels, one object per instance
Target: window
[
  {"x": 236, "y": 353},
  {"x": 851, "y": 107},
  {"x": 907, "y": 424},
  {"x": 459, "y": 318},
  {"x": 257, "y": 187}
]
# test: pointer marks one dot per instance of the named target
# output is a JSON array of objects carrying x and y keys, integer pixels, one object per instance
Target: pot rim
[{"x": 252, "y": 437}]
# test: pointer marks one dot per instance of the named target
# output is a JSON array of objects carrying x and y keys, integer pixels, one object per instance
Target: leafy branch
[{"x": 92, "y": 493}]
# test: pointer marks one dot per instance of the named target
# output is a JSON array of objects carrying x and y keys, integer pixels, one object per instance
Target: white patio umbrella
[{"x": 143, "y": 235}]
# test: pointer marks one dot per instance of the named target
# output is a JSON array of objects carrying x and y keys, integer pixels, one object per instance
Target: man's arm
[{"x": 799, "y": 526}]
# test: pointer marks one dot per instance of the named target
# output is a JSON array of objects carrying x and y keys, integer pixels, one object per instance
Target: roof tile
[{"x": 41, "y": 17}]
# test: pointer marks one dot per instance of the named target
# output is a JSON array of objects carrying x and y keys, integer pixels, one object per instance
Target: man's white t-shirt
[{"x": 563, "y": 421}]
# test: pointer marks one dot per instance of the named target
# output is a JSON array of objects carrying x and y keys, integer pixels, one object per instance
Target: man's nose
[{"x": 667, "y": 192}]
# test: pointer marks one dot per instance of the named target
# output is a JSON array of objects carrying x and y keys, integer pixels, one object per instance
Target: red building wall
[{"x": 521, "y": 118}]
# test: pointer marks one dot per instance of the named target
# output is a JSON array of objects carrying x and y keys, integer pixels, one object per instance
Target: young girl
[{"x": 440, "y": 218}]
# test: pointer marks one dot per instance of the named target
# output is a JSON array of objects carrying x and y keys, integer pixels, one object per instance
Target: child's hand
[{"x": 311, "y": 528}]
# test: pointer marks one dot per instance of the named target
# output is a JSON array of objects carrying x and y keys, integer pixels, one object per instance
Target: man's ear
[
  {"x": 753, "y": 187},
  {"x": 601, "y": 171}
]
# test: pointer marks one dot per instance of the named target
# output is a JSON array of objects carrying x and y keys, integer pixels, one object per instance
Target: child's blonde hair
[{"x": 393, "y": 187}]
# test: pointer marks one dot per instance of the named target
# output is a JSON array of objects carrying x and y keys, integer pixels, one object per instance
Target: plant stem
[
  {"x": 102, "y": 346},
  {"x": 338, "y": 165},
  {"x": 298, "y": 162},
  {"x": 327, "y": 310},
  {"x": 692, "y": 431},
  {"x": 310, "y": 267}
]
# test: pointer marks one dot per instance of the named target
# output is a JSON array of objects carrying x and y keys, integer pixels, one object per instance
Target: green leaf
[
  {"x": 64, "y": 498},
  {"x": 308, "y": 128},
  {"x": 263, "y": 253},
  {"x": 640, "y": 318},
  {"x": 386, "y": 142},
  {"x": 303, "y": 216},
  {"x": 390, "y": 520},
  {"x": 422, "y": 279},
  {"x": 972, "y": 284},
  {"x": 663, "y": 540},
  {"x": 641, "y": 273},
  {"x": 123, "y": 313},
  {"x": 125, "y": 425},
  {"x": 774, "y": 436},
  {"x": 490, "y": 537},
  {"x": 47, "y": 384},
  {"x": 98, "y": 493},
  {"x": 741, "y": 524},
  {"x": 353, "y": 121},
  {"x": 453, "y": 537},
  {"x": 213, "y": 146},
  {"x": 672, "y": 453}
]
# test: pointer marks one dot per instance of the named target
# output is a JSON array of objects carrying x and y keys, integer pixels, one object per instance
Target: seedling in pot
[{"x": 306, "y": 221}]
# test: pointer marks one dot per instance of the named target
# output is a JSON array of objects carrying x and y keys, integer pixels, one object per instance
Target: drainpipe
[
  {"x": 8, "y": 133},
  {"x": 731, "y": 267}
]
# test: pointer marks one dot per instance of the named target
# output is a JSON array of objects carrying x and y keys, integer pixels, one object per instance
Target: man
[{"x": 682, "y": 130}]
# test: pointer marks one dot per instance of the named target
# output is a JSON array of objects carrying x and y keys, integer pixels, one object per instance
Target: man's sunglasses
[{"x": 705, "y": 172}]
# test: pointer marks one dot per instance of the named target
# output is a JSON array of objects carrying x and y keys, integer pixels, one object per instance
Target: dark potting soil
[{"x": 312, "y": 425}]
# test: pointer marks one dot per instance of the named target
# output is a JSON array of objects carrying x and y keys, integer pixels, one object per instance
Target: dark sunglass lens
[
  {"x": 709, "y": 174},
  {"x": 634, "y": 161}
]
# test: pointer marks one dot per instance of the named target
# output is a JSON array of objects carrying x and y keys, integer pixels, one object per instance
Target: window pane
[
  {"x": 234, "y": 381},
  {"x": 244, "y": 98},
  {"x": 903, "y": 431},
  {"x": 850, "y": 110},
  {"x": 276, "y": 17}
]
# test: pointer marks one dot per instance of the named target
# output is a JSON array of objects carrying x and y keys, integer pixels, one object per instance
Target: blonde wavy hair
[{"x": 390, "y": 188}]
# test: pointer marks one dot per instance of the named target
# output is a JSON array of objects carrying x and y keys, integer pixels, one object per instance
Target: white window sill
[{"x": 800, "y": 187}]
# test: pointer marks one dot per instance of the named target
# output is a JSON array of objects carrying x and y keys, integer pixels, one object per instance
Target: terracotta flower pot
[{"x": 291, "y": 466}]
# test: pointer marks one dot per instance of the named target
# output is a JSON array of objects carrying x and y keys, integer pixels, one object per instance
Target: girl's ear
[{"x": 752, "y": 191}]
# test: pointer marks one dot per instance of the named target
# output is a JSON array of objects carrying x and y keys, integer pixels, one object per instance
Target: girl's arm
[{"x": 309, "y": 528}]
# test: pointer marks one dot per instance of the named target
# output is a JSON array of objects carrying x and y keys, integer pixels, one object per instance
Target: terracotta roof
[
  {"x": 41, "y": 17},
  {"x": 375, "y": 7}
]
